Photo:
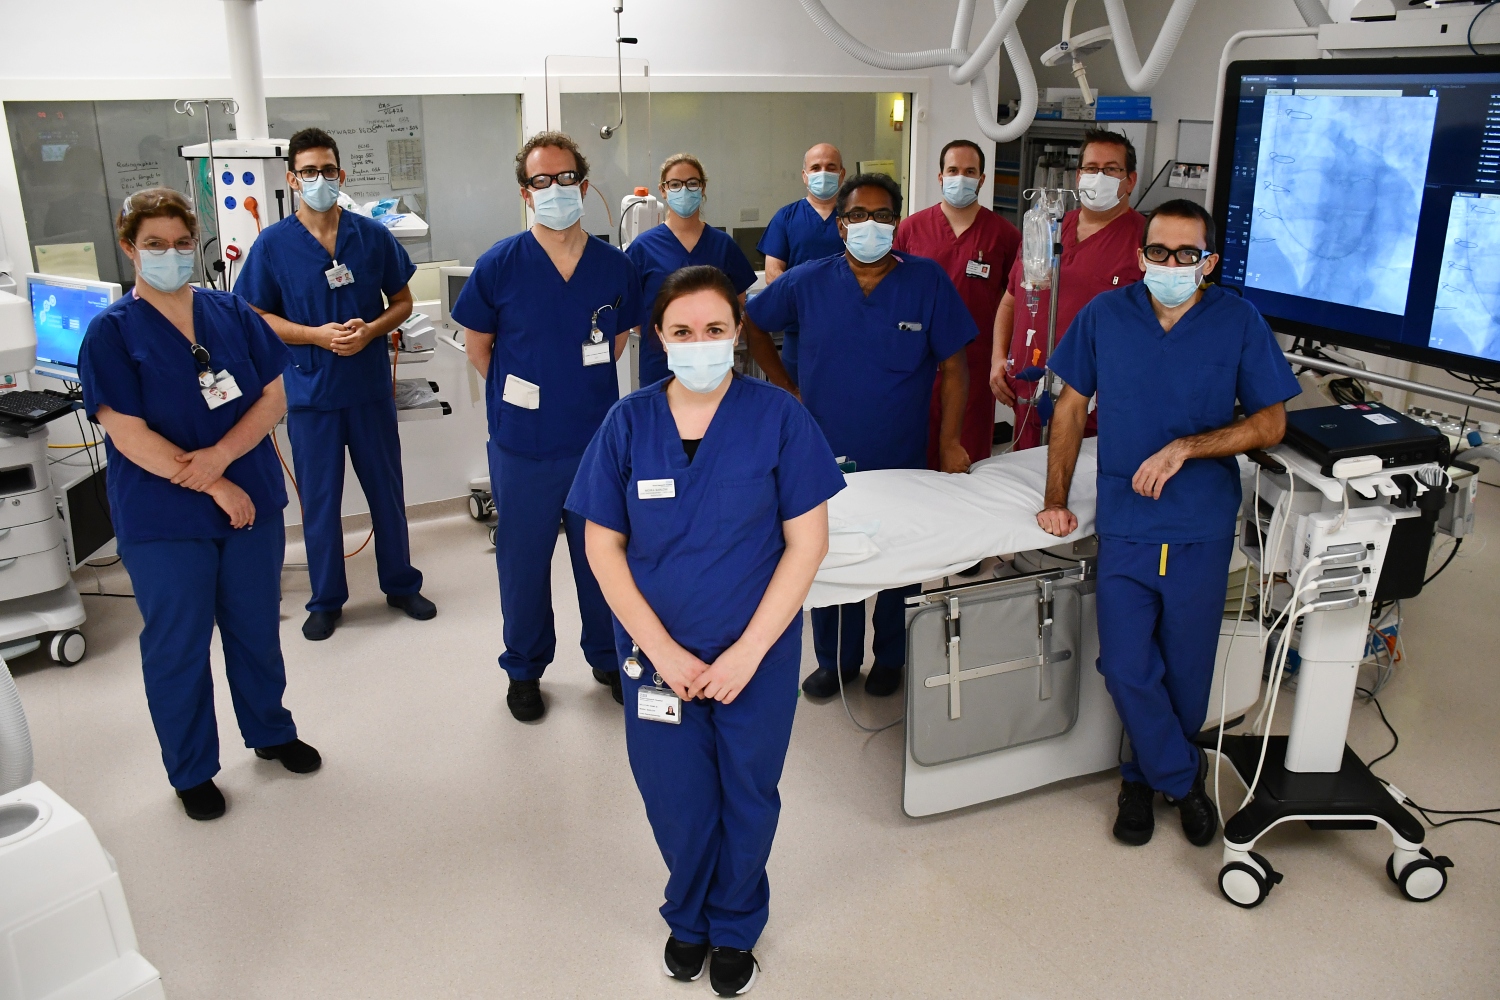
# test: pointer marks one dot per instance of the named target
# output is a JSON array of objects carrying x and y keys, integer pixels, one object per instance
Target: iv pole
[{"x": 185, "y": 107}]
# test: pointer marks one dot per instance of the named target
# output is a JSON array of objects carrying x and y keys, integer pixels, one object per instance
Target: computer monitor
[
  {"x": 450, "y": 283},
  {"x": 61, "y": 309},
  {"x": 1358, "y": 203}
]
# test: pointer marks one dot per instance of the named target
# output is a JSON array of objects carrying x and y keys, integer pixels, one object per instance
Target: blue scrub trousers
[
  {"x": 709, "y": 787},
  {"x": 319, "y": 439},
  {"x": 849, "y": 619},
  {"x": 529, "y": 495},
  {"x": 183, "y": 588},
  {"x": 1158, "y": 638},
  {"x": 789, "y": 340}
]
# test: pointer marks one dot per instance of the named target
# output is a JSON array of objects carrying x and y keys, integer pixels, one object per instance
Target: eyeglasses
[
  {"x": 541, "y": 182},
  {"x": 328, "y": 173},
  {"x": 692, "y": 185},
  {"x": 1158, "y": 254},
  {"x": 156, "y": 247},
  {"x": 1111, "y": 171},
  {"x": 855, "y": 216}
]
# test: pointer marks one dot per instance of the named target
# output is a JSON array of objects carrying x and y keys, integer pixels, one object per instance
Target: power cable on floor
[{"x": 1460, "y": 815}]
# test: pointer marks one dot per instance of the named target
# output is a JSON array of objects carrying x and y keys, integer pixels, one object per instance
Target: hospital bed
[{"x": 1002, "y": 694}]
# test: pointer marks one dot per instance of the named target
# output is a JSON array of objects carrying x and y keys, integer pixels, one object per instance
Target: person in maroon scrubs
[
  {"x": 976, "y": 247},
  {"x": 1100, "y": 239}
]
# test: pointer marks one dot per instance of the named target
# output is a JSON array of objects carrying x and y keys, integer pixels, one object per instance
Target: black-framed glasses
[
  {"x": 855, "y": 216},
  {"x": 1158, "y": 254},
  {"x": 693, "y": 184},
  {"x": 1116, "y": 172},
  {"x": 541, "y": 182},
  {"x": 328, "y": 173},
  {"x": 158, "y": 247}
]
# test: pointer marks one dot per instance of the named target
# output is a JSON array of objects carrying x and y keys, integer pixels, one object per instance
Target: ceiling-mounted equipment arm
[
  {"x": 608, "y": 130},
  {"x": 1141, "y": 78}
]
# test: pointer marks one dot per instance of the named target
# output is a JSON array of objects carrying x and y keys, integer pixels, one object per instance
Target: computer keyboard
[{"x": 34, "y": 406}]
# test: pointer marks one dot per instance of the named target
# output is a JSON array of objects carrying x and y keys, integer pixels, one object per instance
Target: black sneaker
[
  {"x": 824, "y": 683},
  {"x": 731, "y": 972},
  {"x": 296, "y": 756},
  {"x": 602, "y": 676},
  {"x": 524, "y": 699},
  {"x": 615, "y": 691},
  {"x": 1137, "y": 819},
  {"x": 684, "y": 962},
  {"x": 415, "y": 605},
  {"x": 1200, "y": 820},
  {"x": 320, "y": 624},
  {"x": 882, "y": 681},
  {"x": 203, "y": 801}
]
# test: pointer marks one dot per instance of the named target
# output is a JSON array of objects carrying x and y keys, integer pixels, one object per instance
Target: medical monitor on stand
[
  {"x": 61, "y": 309},
  {"x": 1358, "y": 203}
]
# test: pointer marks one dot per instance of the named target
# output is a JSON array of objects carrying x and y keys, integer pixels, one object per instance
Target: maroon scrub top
[
  {"x": 990, "y": 242},
  {"x": 1105, "y": 261}
]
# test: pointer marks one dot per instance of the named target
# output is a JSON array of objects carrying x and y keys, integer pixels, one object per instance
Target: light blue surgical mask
[
  {"x": 558, "y": 206},
  {"x": 823, "y": 183},
  {"x": 165, "y": 272},
  {"x": 684, "y": 202},
  {"x": 960, "y": 191},
  {"x": 702, "y": 364},
  {"x": 870, "y": 241},
  {"x": 1172, "y": 286},
  {"x": 320, "y": 194}
]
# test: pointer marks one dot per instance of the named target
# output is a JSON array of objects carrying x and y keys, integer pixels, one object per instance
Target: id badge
[
  {"x": 654, "y": 704},
  {"x": 975, "y": 269},
  {"x": 597, "y": 354},
  {"x": 222, "y": 391},
  {"x": 655, "y": 489},
  {"x": 339, "y": 275}
]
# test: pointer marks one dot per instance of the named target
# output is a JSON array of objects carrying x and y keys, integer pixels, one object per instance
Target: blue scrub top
[
  {"x": 704, "y": 557},
  {"x": 283, "y": 274},
  {"x": 868, "y": 381},
  {"x": 137, "y": 363},
  {"x": 657, "y": 252},
  {"x": 798, "y": 234},
  {"x": 1155, "y": 387},
  {"x": 540, "y": 323}
]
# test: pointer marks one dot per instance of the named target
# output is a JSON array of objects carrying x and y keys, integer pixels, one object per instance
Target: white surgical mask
[
  {"x": 960, "y": 191},
  {"x": 869, "y": 241},
  {"x": 165, "y": 272},
  {"x": 1172, "y": 286},
  {"x": 1099, "y": 192},
  {"x": 823, "y": 183},
  {"x": 702, "y": 364},
  {"x": 558, "y": 206},
  {"x": 320, "y": 194}
]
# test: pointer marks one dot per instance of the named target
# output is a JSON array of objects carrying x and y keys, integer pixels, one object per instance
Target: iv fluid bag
[{"x": 1036, "y": 246}]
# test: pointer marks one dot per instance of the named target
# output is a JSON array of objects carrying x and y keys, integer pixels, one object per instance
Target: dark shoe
[
  {"x": 824, "y": 683},
  {"x": 611, "y": 678},
  {"x": 684, "y": 962},
  {"x": 203, "y": 801},
  {"x": 524, "y": 699},
  {"x": 320, "y": 625},
  {"x": 415, "y": 605},
  {"x": 883, "y": 681},
  {"x": 1137, "y": 819},
  {"x": 1200, "y": 820},
  {"x": 731, "y": 972},
  {"x": 296, "y": 756},
  {"x": 602, "y": 676}
]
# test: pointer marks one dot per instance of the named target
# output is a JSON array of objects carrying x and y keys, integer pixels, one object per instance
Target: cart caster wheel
[
  {"x": 1423, "y": 879},
  {"x": 1248, "y": 885},
  {"x": 480, "y": 506},
  {"x": 67, "y": 647},
  {"x": 493, "y": 529}
]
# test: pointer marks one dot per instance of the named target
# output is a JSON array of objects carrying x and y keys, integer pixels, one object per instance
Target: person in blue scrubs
[
  {"x": 187, "y": 384},
  {"x": 317, "y": 277},
  {"x": 545, "y": 315},
  {"x": 706, "y": 501},
  {"x": 682, "y": 241},
  {"x": 807, "y": 229},
  {"x": 1168, "y": 357},
  {"x": 877, "y": 327}
]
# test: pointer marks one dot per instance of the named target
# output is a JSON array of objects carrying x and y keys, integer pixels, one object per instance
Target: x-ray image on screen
[
  {"x": 1466, "y": 314},
  {"x": 1338, "y": 192}
]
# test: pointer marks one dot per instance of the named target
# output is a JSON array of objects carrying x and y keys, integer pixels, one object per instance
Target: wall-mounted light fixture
[{"x": 898, "y": 112}]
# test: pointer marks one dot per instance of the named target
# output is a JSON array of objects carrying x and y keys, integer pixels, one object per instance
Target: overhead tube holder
[{"x": 246, "y": 75}]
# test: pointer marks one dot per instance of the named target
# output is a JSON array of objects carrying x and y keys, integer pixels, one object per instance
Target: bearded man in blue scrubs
[
  {"x": 317, "y": 278},
  {"x": 1169, "y": 357},
  {"x": 545, "y": 314},
  {"x": 874, "y": 326},
  {"x": 807, "y": 229}
]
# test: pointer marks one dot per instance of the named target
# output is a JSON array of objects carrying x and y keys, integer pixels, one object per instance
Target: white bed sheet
[{"x": 897, "y": 527}]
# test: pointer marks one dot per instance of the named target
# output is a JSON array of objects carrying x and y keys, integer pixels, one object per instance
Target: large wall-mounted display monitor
[
  {"x": 1358, "y": 202},
  {"x": 61, "y": 309}
]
